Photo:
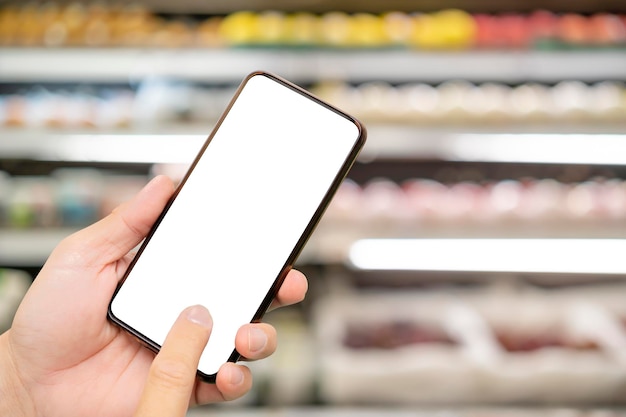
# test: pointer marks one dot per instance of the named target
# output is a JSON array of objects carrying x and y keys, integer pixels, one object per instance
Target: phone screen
[{"x": 240, "y": 216}]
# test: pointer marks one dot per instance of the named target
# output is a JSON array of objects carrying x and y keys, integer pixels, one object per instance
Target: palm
[{"x": 78, "y": 363}]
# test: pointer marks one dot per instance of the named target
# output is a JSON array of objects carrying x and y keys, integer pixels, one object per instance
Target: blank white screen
[{"x": 239, "y": 215}]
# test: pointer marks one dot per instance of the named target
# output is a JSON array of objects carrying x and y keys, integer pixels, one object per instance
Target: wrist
[{"x": 14, "y": 397}]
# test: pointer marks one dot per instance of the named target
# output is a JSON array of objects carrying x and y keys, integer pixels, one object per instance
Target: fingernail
[
  {"x": 200, "y": 315},
  {"x": 152, "y": 182},
  {"x": 236, "y": 375},
  {"x": 257, "y": 339}
]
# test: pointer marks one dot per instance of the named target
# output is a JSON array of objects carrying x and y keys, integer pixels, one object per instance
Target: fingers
[
  {"x": 256, "y": 341},
  {"x": 172, "y": 374},
  {"x": 233, "y": 381},
  {"x": 253, "y": 341},
  {"x": 292, "y": 290},
  {"x": 114, "y": 236}
]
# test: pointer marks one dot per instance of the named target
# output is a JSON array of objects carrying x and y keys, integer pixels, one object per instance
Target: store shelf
[
  {"x": 384, "y": 141},
  {"x": 85, "y": 146},
  {"x": 555, "y": 148},
  {"x": 28, "y": 248},
  {"x": 231, "y": 65},
  {"x": 333, "y": 239},
  {"x": 380, "y": 6},
  {"x": 31, "y": 248}
]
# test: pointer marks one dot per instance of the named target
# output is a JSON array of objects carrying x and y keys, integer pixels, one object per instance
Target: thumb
[
  {"x": 172, "y": 375},
  {"x": 111, "y": 238}
]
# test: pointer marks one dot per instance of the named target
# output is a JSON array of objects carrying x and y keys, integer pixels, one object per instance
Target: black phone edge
[{"x": 306, "y": 234}]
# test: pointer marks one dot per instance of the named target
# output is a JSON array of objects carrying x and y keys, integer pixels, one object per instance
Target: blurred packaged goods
[
  {"x": 530, "y": 200},
  {"x": 492, "y": 103},
  {"x": 159, "y": 102},
  {"x": 154, "y": 103},
  {"x": 94, "y": 25},
  {"x": 77, "y": 197},
  {"x": 522, "y": 346},
  {"x": 69, "y": 197},
  {"x": 100, "y": 25}
]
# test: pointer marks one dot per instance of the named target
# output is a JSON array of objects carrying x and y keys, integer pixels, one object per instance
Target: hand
[
  {"x": 173, "y": 372},
  {"x": 62, "y": 357}
]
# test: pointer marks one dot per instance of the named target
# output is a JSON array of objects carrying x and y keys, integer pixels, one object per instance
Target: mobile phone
[{"x": 240, "y": 216}]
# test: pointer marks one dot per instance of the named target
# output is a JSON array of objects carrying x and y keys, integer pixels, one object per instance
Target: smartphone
[{"x": 240, "y": 216}]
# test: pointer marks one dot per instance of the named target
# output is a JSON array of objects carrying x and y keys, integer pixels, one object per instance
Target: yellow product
[
  {"x": 459, "y": 28},
  {"x": 239, "y": 28},
  {"x": 8, "y": 25},
  {"x": 208, "y": 32},
  {"x": 447, "y": 29},
  {"x": 30, "y": 26},
  {"x": 74, "y": 19},
  {"x": 134, "y": 26},
  {"x": 174, "y": 34},
  {"x": 398, "y": 27},
  {"x": 335, "y": 29},
  {"x": 271, "y": 28},
  {"x": 367, "y": 30},
  {"x": 97, "y": 30},
  {"x": 302, "y": 29},
  {"x": 25, "y": 24}
]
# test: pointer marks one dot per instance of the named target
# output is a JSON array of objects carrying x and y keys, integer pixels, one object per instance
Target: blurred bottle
[
  {"x": 78, "y": 194},
  {"x": 32, "y": 203}
]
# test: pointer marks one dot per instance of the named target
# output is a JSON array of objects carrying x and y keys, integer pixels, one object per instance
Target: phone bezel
[{"x": 306, "y": 234}]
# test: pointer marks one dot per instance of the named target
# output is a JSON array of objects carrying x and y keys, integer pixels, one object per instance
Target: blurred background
[{"x": 472, "y": 264}]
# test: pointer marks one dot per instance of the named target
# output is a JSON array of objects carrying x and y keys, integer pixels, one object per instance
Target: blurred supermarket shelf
[
  {"x": 227, "y": 6},
  {"x": 231, "y": 65},
  {"x": 31, "y": 247},
  {"x": 560, "y": 148},
  {"x": 333, "y": 239},
  {"x": 400, "y": 347},
  {"x": 27, "y": 248},
  {"x": 180, "y": 145},
  {"x": 123, "y": 146}
]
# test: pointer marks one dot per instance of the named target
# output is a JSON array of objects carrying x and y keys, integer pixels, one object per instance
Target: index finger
[{"x": 173, "y": 372}]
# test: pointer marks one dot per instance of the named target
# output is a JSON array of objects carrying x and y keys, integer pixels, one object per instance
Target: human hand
[
  {"x": 172, "y": 375},
  {"x": 64, "y": 358}
]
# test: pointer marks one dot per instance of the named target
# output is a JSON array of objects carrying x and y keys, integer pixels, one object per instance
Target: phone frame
[{"x": 304, "y": 237}]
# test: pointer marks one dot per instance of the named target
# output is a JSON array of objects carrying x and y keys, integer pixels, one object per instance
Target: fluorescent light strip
[
  {"x": 583, "y": 256},
  {"x": 130, "y": 148},
  {"x": 606, "y": 149}
]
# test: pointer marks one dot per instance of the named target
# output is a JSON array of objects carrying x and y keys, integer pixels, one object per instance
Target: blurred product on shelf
[
  {"x": 463, "y": 102},
  {"x": 77, "y": 197},
  {"x": 159, "y": 102},
  {"x": 485, "y": 346},
  {"x": 154, "y": 103},
  {"x": 39, "y": 107},
  {"x": 392, "y": 335},
  {"x": 424, "y": 200},
  {"x": 13, "y": 286},
  {"x": 98, "y": 24},
  {"x": 69, "y": 197}
]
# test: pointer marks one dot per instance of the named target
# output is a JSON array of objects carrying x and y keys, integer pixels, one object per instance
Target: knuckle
[{"x": 171, "y": 373}]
